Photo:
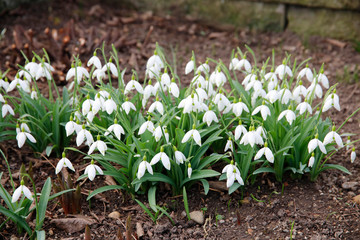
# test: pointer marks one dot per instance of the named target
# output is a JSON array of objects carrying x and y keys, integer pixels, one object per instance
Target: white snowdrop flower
[
  {"x": 249, "y": 78},
  {"x": 314, "y": 143},
  {"x": 256, "y": 94},
  {"x": 318, "y": 90},
  {"x": 33, "y": 94},
  {"x": 72, "y": 126},
  {"x": 333, "y": 136},
  {"x": 189, "y": 66},
  {"x": 348, "y": 141},
  {"x": 174, "y": 89},
  {"x": 252, "y": 137},
  {"x": 268, "y": 153},
  {"x": 23, "y": 126},
  {"x": 26, "y": 75},
  {"x": 353, "y": 155},
  {"x": 205, "y": 68},
  {"x": 31, "y": 70},
  {"x": 86, "y": 105},
  {"x": 6, "y": 108},
  {"x": 201, "y": 93},
  {"x": 179, "y": 156},
  {"x": 149, "y": 90},
  {"x": 311, "y": 160},
  {"x": 22, "y": 136},
  {"x": 222, "y": 101},
  {"x": 78, "y": 72},
  {"x": 285, "y": 95},
  {"x": 127, "y": 106},
  {"x": 232, "y": 174},
  {"x": 163, "y": 157},
  {"x": 303, "y": 107},
  {"x": 143, "y": 166},
  {"x": 110, "y": 67},
  {"x": 323, "y": 80},
  {"x": 190, "y": 104},
  {"x": 83, "y": 135},
  {"x": 160, "y": 132},
  {"x": 21, "y": 189},
  {"x": 4, "y": 84},
  {"x": 165, "y": 79},
  {"x": 116, "y": 128},
  {"x": 148, "y": 125},
  {"x": 273, "y": 95},
  {"x": 254, "y": 84},
  {"x": 17, "y": 82},
  {"x": 91, "y": 170},
  {"x": 153, "y": 71},
  {"x": 331, "y": 101},
  {"x": 261, "y": 132},
  {"x": 239, "y": 130},
  {"x": 44, "y": 70},
  {"x": 189, "y": 170},
  {"x": 239, "y": 107},
  {"x": 229, "y": 145},
  {"x": 198, "y": 80},
  {"x": 2, "y": 98},
  {"x": 233, "y": 63},
  {"x": 263, "y": 109},
  {"x": 64, "y": 162},
  {"x": 154, "y": 60},
  {"x": 208, "y": 87},
  {"x": 243, "y": 63},
  {"x": 194, "y": 134},
  {"x": 157, "y": 105},
  {"x": 300, "y": 90},
  {"x": 283, "y": 70},
  {"x": 218, "y": 77},
  {"x": 90, "y": 117},
  {"x": 99, "y": 145},
  {"x": 288, "y": 114},
  {"x": 306, "y": 72},
  {"x": 110, "y": 105},
  {"x": 99, "y": 74},
  {"x": 272, "y": 80},
  {"x": 94, "y": 60},
  {"x": 209, "y": 117},
  {"x": 133, "y": 84}
]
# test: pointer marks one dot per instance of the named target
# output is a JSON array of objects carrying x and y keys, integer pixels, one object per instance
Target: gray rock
[
  {"x": 349, "y": 185},
  {"x": 198, "y": 217}
]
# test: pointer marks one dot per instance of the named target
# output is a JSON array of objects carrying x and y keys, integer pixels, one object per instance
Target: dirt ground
[{"x": 300, "y": 209}]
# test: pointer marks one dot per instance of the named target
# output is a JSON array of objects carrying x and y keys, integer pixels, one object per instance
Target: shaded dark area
[{"x": 266, "y": 210}]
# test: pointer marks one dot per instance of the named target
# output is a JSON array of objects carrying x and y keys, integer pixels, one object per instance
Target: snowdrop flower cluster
[{"x": 264, "y": 111}]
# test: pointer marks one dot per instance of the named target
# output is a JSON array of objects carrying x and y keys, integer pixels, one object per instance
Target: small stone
[
  {"x": 197, "y": 216},
  {"x": 159, "y": 229},
  {"x": 349, "y": 185},
  {"x": 189, "y": 231},
  {"x": 13, "y": 237},
  {"x": 114, "y": 215},
  {"x": 51, "y": 232},
  {"x": 222, "y": 221},
  {"x": 281, "y": 212},
  {"x": 183, "y": 214}
]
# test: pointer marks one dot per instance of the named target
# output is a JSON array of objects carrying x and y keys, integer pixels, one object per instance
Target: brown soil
[{"x": 266, "y": 210}]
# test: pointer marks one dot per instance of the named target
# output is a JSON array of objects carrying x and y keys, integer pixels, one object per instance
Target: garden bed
[{"x": 265, "y": 210}]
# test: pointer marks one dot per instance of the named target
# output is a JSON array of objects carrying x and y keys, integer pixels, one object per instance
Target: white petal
[
  {"x": 91, "y": 172},
  {"x": 155, "y": 159},
  {"x": 16, "y": 195},
  {"x": 59, "y": 166},
  {"x": 27, "y": 193}
]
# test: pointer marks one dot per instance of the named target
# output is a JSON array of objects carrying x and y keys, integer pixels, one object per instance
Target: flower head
[
  {"x": 116, "y": 128},
  {"x": 194, "y": 134},
  {"x": 98, "y": 144},
  {"x": 353, "y": 155},
  {"x": 163, "y": 157},
  {"x": 143, "y": 166},
  {"x": 91, "y": 170},
  {"x": 268, "y": 153},
  {"x": 21, "y": 189},
  {"x": 314, "y": 143},
  {"x": 64, "y": 162}
]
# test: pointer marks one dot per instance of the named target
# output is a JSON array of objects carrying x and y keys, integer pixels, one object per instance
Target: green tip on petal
[
  {"x": 240, "y": 122},
  {"x": 144, "y": 158},
  {"x": 334, "y": 90},
  {"x": 194, "y": 126},
  {"x": 98, "y": 137},
  {"x": 133, "y": 77},
  {"x": 72, "y": 65},
  {"x": 17, "y": 125},
  {"x": 33, "y": 59},
  {"x": 22, "y": 182},
  {"x": 317, "y": 136},
  {"x": 83, "y": 126},
  {"x": 313, "y": 154},
  {"x": 348, "y": 137},
  {"x": 333, "y": 128},
  {"x": 157, "y": 98},
  {"x": 110, "y": 60},
  {"x": 115, "y": 121},
  {"x": 307, "y": 65},
  {"x": 173, "y": 80},
  {"x": 92, "y": 161},
  {"x": 63, "y": 155},
  {"x": 353, "y": 149},
  {"x": 300, "y": 83},
  {"x": 235, "y": 101},
  {"x": 150, "y": 82},
  {"x": 94, "y": 54},
  {"x": 79, "y": 63},
  {"x": 265, "y": 144},
  {"x": 189, "y": 165},
  {"x": 126, "y": 99},
  {"x": 232, "y": 162},
  {"x": 162, "y": 149},
  {"x": 263, "y": 103},
  {"x": 155, "y": 52},
  {"x": 175, "y": 149}
]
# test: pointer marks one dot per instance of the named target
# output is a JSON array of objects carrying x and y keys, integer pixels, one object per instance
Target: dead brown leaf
[
  {"x": 336, "y": 43},
  {"x": 75, "y": 224},
  {"x": 357, "y": 199},
  {"x": 215, "y": 35}
]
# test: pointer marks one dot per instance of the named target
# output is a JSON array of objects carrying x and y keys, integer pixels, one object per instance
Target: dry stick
[{"x": 147, "y": 37}]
